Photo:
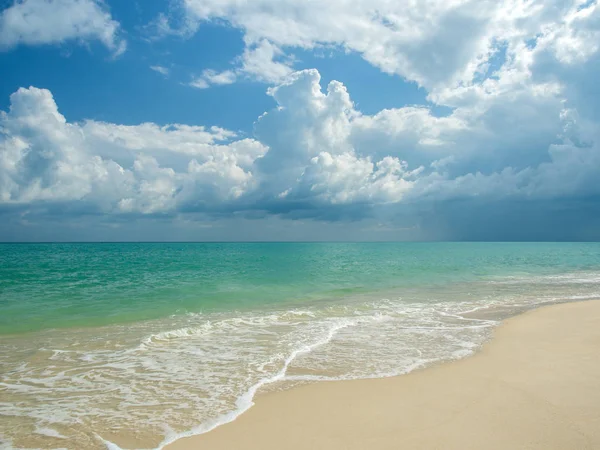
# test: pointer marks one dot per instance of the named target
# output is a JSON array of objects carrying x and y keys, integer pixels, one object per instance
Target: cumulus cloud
[
  {"x": 305, "y": 153},
  {"x": 39, "y": 22},
  {"x": 346, "y": 178},
  {"x": 114, "y": 168}
]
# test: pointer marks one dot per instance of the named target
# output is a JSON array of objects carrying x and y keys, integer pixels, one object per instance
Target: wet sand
[{"x": 535, "y": 385}]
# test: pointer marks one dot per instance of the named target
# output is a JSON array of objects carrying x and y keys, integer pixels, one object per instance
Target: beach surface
[{"x": 535, "y": 385}]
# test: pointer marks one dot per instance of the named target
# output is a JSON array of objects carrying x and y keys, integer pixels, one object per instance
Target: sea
[{"x": 135, "y": 345}]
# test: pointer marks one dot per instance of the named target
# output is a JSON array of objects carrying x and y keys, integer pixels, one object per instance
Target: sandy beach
[{"x": 535, "y": 385}]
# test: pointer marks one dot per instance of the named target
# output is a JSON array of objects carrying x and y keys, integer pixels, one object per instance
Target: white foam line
[
  {"x": 51, "y": 432},
  {"x": 178, "y": 333},
  {"x": 245, "y": 401},
  {"x": 411, "y": 368},
  {"x": 460, "y": 317},
  {"x": 468, "y": 327}
]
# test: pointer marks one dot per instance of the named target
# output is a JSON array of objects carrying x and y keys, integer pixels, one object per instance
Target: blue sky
[
  {"x": 122, "y": 85},
  {"x": 289, "y": 120}
]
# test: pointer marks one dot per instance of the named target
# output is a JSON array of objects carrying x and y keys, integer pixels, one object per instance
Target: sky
[{"x": 203, "y": 120}]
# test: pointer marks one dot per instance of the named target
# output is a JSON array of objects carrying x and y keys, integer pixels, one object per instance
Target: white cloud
[
  {"x": 441, "y": 45},
  {"x": 162, "y": 26},
  {"x": 577, "y": 37},
  {"x": 164, "y": 71},
  {"x": 423, "y": 41},
  {"x": 225, "y": 77},
  {"x": 513, "y": 144},
  {"x": 211, "y": 77},
  {"x": 346, "y": 178},
  {"x": 307, "y": 121},
  {"x": 116, "y": 168},
  {"x": 199, "y": 83},
  {"x": 259, "y": 62},
  {"x": 460, "y": 50},
  {"x": 39, "y": 22}
]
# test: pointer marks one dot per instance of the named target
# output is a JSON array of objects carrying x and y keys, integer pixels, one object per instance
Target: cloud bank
[
  {"x": 313, "y": 151},
  {"x": 520, "y": 79}
]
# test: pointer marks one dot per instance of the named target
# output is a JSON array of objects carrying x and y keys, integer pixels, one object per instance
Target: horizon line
[{"x": 307, "y": 242}]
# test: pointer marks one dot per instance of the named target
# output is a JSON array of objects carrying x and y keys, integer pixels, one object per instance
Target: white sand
[{"x": 536, "y": 385}]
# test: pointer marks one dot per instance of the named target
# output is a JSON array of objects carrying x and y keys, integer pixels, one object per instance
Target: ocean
[{"x": 134, "y": 345}]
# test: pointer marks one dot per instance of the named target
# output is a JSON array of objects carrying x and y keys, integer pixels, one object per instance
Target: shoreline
[{"x": 530, "y": 386}]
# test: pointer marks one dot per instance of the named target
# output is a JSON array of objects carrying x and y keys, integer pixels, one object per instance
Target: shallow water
[{"x": 134, "y": 345}]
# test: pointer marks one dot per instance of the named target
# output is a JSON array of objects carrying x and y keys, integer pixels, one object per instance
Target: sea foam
[{"x": 195, "y": 372}]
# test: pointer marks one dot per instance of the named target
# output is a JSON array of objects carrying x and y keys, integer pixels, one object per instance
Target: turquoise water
[
  {"x": 73, "y": 285},
  {"x": 100, "y": 340}
]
